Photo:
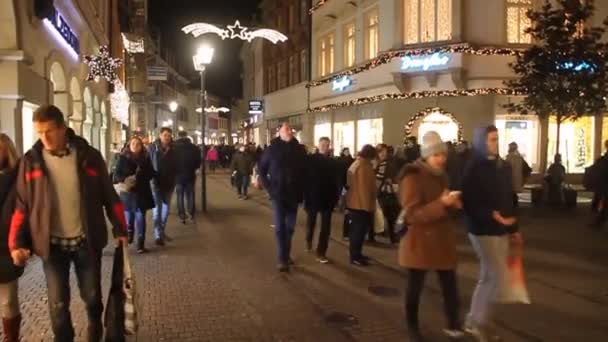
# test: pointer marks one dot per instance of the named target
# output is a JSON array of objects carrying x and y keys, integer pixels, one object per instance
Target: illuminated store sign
[
  {"x": 341, "y": 84},
  {"x": 60, "y": 27},
  {"x": 424, "y": 62}
]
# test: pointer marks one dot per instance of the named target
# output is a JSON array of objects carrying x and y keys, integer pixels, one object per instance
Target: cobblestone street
[{"x": 217, "y": 282}]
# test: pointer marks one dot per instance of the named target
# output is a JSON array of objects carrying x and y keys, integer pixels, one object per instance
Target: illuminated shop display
[
  {"x": 576, "y": 143},
  {"x": 322, "y": 130},
  {"x": 370, "y": 132},
  {"x": 344, "y": 137},
  {"x": 523, "y": 130}
]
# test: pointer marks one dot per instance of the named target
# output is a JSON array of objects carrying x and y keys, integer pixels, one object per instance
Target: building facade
[
  {"x": 386, "y": 69},
  {"x": 286, "y": 67},
  {"x": 250, "y": 127},
  {"x": 41, "y": 60}
]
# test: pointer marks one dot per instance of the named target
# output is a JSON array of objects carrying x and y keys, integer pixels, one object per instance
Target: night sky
[{"x": 224, "y": 74}]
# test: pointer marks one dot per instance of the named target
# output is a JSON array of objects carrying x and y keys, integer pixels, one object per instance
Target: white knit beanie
[{"x": 432, "y": 144}]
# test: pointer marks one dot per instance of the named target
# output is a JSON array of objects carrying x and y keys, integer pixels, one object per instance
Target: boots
[{"x": 11, "y": 328}]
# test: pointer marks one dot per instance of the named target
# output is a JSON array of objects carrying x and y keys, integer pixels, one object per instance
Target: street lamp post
[{"x": 203, "y": 58}]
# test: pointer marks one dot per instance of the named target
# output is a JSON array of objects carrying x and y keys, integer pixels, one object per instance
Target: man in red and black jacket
[{"x": 62, "y": 189}]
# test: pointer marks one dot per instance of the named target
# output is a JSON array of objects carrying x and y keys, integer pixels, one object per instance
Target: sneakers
[
  {"x": 322, "y": 260},
  {"x": 453, "y": 333},
  {"x": 360, "y": 262},
  {"x": 142, "y": 250},
  {"x": 130, "y": 238},
  {"x": 480, "y": 333}
]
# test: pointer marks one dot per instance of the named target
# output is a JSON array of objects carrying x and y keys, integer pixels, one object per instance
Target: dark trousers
[
  {"x": 449, "y": 288},
  {"x": 325, "y": 229},
  {"x": 242, "y": 183},
  {"x": 602, "y": 210},
  {"x": 359, "y": 225},
  {"x": 346, "y": 226},
  {"x": 284, "y": 218},
  {"x": 185, "y": 197},
  {"x": 88, "y": 273},
  {"x": 390, "y": 209}
]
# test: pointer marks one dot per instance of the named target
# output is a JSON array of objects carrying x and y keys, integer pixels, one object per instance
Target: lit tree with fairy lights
[{"x": 563, "y": 73}]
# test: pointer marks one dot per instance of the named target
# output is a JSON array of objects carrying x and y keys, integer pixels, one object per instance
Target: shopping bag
[
  {"x": 378, "y": 220},
  {"x": 401, "y": 224},
  {"x": 515, "y": 290},
  {"x": 114, "y": 318},
  {"x": 131, "y": 300}
]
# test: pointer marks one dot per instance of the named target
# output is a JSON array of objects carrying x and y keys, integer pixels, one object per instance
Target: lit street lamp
[
  {"x": 173, "y": 106},
  {"x": 203, "y": 58}
]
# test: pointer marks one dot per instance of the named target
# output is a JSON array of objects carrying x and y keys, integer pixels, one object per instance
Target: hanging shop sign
[
  {"x": 424, "y": 62},
  {"x": 342, "y": 84},
  {"x": 256, "y": 107},
  {"x": 157, "y": 73},
  {"x": 59, "y": 26}
]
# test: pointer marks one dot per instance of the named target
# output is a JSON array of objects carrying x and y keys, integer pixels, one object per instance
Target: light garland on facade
[
  {"x": 102, "y": 65},
  {"x": 235, "y": 31},
  {"x": 416, "y": 95},
  {"x": 316, "y": 6},
  {"x": 120, "y": 102},
  {"x": 387, "y": 57},
  {"x": 133, "y": 46},
  {"x": 409, "y": 126}
]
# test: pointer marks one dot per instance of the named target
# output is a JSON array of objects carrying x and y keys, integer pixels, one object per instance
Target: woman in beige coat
[
  {"x": 360, "y": 202},
  {"x": 430, "y": 242}
]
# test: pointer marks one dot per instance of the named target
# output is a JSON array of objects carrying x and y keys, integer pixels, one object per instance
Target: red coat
[{"x": 213, "y": 155}]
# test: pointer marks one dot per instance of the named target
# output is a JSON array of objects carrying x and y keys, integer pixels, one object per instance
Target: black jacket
[
  {"x": 282, "y": 171},
  {"x": 163, "y": 163},
  {"x": 8, "y": 271},
  {"x": 487, "y": 187},
  {"x": 128, "y": 166},
  {"x": 323, "y": 183},
  {"x": 243, "y": 163},
  {"x": 344, "y": 162},
  {"x": 187, "y": 160}
]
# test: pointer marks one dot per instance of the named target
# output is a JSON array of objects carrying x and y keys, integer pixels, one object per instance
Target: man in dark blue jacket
[
  {"x": 282, "y": 175},
  {"x": 187, "y": 161}
]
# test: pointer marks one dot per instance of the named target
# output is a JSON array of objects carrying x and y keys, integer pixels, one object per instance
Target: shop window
[
  {"x": 344, "y": 137},
  {"x": 349, "y": 45},
  {"x": 576, "y": 143},
  {"x": 371, "y": 35},
  {"x": 518, "y": 21},
  {"x": 523, "y": 130},
  {"x": 369, "y": 132},
  {"x": 427, "y": 21},
  {"x": 322, "y": 130}
]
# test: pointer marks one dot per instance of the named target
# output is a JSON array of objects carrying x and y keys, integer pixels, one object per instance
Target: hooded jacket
[
  {"x": 29, "y": 227},
  {"x": 487, "y": 187},
  {"x": 282, "y": 171}
]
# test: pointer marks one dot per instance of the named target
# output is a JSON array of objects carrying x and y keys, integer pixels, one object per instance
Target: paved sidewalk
[{"x": 217, "y": 282}]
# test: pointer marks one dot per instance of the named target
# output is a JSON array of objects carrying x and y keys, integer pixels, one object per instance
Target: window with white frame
[
  {"x": 371, "y": 34},
  {"x": 427, "y": 21},
  {"x": 326, "y": 55},
  {"x": 349, "y": 44},
  {"x": 518, "y": 21}
]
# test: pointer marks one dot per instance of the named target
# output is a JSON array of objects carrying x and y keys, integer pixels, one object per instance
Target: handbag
[{"x": 131, "y": 299}]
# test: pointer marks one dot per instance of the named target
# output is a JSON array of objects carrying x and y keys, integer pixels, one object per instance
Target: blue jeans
[
  {"x": 284, "y": 218},
  {"x": 160, "y": 213},
  {"x": 88, "y": 273},
  {"x": 242, "y": 184},
  {"x": 185, "y": 193},
  {"x": 135, "y": 217}
]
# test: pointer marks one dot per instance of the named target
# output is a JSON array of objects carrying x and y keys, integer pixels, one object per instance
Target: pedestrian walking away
[
  {"x": 520, "y": 171},
  {"x": 321, "y": 195},
  {"x": 187, "y": 161},
  {"x": 282, "y": 175},
  {"x": 430, "y": 242},
  {"x": 64, "y": 181},
  {"x": 162, "y": 155},
  {"x": 361, "y": 202},
  {"x": 9, "y": 273},
  {"x": 491, "y": 222},
  {"x": 132, "y": 182},
  {"x": 386, "y": 175},
  {"x": 242, "y": 166}
]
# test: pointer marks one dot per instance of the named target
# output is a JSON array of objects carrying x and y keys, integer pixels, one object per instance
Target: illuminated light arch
[
  {"x": 418, "y": 117},
  {"x": 235, "y": 31}
]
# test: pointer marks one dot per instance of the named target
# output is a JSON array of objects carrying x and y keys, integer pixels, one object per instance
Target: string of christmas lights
[
  {"x": 132, "y": 43},
  {"x": 387, "y": 57},
  {"x": 409, "y": 126},
  {"x": 317, "y": 5},
  {"x": 416, "y": 95},
  {"x": 119, "y": 102},
  {"x": 102, "y": 65}
]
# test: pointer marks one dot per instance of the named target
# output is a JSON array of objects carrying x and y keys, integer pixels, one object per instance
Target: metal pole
[{"x": 203, "y": 135}]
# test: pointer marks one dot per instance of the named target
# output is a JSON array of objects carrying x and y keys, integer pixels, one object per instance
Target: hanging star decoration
[
  {"x": 102, "y": 65},
  {"x": 236, "y": 31}
]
